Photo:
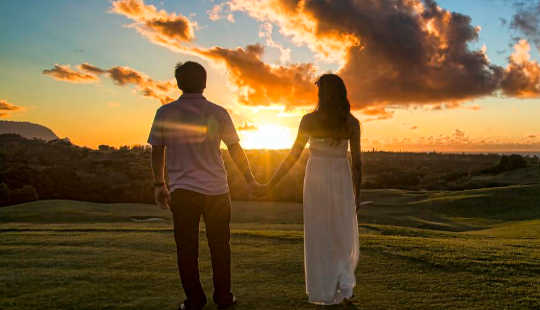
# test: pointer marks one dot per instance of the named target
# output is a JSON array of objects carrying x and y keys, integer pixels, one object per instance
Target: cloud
[
  {"x": 379, "y": 113},
  {"x": 459, "y": 133},
  {"x": 122, "y": 76},
  {"x": 527, "y": 20},
  {"x": 392, "y": 54},
  {"x": 265, "y": 32},
  {"x": 247, "y": 127},
  {"x": 261, "y": 84},
  {"x": 6, "y": 108},
  {"x": 522, "y": 76},
  {"x": 219, "y": 11},
  {"x": 66, "y": 74},
  {"x": 157, "y": 25}
]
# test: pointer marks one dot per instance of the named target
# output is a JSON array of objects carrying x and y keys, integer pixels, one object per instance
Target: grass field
[{"x": 475, "y": 249}]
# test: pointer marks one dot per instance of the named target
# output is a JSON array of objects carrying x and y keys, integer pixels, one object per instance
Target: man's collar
[{"x": 192, "y": 96}]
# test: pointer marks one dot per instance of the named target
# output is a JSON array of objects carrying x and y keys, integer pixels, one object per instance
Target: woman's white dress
[{"x": 330, "y": 225}]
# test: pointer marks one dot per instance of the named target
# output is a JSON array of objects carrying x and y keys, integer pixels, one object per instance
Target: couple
[{"x": 187, "y": 134}]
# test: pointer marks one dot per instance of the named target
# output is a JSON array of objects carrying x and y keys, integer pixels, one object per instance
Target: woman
[{"x": 330, "y": 193}]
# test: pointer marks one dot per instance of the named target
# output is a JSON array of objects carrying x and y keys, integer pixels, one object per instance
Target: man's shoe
[{"x": 228, "y": 306}]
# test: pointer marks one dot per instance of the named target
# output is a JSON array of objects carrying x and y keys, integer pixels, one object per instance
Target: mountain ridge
[{"x": 27, "y": 130}]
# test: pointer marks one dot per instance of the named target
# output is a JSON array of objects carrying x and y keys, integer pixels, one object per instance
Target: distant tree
[
  {"x": 508, "y": 163},
  {"x": 104, "y": 147},
  {"x": 535, "y": 161}
]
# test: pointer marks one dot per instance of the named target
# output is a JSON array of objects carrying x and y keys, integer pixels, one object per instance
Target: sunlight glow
[{"x": 267, "y": 136}]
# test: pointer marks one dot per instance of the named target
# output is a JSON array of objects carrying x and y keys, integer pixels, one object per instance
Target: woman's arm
[
  {"x": 356, "y": 156},
  {"x": 293, "y": 156}
]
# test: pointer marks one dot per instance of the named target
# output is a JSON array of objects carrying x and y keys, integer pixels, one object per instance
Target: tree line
[{"x": 35, "y": 169}]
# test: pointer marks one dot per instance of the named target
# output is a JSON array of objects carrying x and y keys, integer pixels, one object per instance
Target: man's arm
[
  {"x": 158, "y": 163},
  {"x": 161, "y": 193},
  {"x": 239, "y": 158}
]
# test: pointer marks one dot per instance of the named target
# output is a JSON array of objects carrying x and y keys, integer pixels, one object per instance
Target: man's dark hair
[{"x": 191, "y": 77}]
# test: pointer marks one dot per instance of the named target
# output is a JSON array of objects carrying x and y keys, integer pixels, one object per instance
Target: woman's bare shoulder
[
  {"x": 308, "y": 120},
  {"x": 353, "y": 121}
]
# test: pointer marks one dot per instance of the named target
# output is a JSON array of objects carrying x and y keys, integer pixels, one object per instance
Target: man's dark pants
[{"x": 187, "y": 208}]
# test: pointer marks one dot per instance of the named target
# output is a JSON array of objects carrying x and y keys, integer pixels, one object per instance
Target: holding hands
[{"x": 257, "y": 189}]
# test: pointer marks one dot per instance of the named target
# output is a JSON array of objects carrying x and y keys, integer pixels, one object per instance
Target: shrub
[{"x": 508, "y": 163}]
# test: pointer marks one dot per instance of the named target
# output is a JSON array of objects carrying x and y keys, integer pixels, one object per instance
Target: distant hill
[{"x": 27, "y": 130}]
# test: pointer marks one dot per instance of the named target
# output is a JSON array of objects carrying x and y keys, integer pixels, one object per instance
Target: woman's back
[
  {"x": 315, "y": 125},
  {"x": 328, "y": 147}
]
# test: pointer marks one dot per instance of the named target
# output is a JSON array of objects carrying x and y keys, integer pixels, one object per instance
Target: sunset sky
[{"x": 446, "y": 75}]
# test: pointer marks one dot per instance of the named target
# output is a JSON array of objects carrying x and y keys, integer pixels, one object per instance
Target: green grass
[{"x": 475, "y": 249}]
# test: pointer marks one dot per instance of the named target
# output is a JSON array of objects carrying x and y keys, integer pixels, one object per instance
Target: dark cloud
[
  {"x": 526, "y": 20},
  {"x": 397, "y": 52}
]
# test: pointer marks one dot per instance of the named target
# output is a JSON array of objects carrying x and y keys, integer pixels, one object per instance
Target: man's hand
[{"x": 162, "y": 197}]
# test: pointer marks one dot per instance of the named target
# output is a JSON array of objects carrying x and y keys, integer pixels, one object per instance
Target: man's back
[{"x": 192, "y": 129}]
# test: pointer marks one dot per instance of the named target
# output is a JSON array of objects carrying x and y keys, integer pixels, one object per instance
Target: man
[{"x": 188, "y": 133}]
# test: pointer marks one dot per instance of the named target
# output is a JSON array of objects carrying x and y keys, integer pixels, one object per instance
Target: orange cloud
[
  {"x": 6, "y": 107},
  {"x": 66, "y": 74},
  {"x": 296, "y": 22},
  {"x": 157, "y": 25},
  {"x": 379, "y": 113},
  {"x": 121, "y": 76},
  {"x": 261, "y": 84},
  {"x": 522, "y": 76}
]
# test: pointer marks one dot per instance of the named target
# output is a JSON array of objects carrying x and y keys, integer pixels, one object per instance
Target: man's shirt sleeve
[
  {"x": 156, "y": 136},
  {"x": 228, "y": 132}
]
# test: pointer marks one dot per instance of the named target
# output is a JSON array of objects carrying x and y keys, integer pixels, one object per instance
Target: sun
[{"x": 267, "y": 136}]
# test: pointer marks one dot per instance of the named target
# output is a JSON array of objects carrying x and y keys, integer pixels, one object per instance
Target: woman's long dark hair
[{"x": 333, "y": 104}]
